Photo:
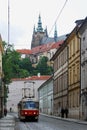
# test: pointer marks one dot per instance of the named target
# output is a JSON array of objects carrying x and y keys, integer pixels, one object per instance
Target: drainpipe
[
  {"x": 80, "y": 72},
  {"x": 68, "y": 77}
]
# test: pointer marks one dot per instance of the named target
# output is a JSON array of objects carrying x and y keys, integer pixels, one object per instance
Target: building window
[
  {"x": 78, "y": 45},
  {"x": 83, "y": 38},
  {"x": 74, "y": 74},
  {"x": 55, "y": 65},
  {"x": 78, "y": 72},
  {"x": 71, "y": 75},
  {"x": 70, "y": 72},
  {"x": 49, "y": 55},
  {"x": 73, "y": 46}
]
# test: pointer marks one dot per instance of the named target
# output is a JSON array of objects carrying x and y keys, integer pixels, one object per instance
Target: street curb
[{"x": 66, "y": 119}]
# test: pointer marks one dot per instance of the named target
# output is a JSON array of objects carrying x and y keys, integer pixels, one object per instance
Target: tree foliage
[
  {"x": 26, "y": 64},
  {"x": 43, "y": 68},
  {"x": 16, "y": 67},
  {"x": 11, "y": 64}
]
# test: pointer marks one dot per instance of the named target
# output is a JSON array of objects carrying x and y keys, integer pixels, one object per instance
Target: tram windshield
[{"x": 30, "y": 104}]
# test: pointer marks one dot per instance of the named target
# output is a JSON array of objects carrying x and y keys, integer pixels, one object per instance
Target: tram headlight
[
  {"x": 34, "y": 113},
  {"x": 25, "y": 112}
]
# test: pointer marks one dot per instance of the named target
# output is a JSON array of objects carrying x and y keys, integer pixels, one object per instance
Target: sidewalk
[
  {"x": 7, "y": 123},
  {"x": 67, "y": 119}
]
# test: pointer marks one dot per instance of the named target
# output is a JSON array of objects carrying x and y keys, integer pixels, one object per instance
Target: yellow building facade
[{"x": 74, "y": 74}]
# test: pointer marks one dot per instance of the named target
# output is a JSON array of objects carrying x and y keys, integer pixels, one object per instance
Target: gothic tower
[
  {"x": 55, "y": 34},
  {"x": 38, "y": 34}
]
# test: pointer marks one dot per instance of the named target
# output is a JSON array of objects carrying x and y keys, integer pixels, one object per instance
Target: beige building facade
[
  {"x": 67, "y": 76},
  {"x": 60, "y": 86},
  {"x": 74, "y": 74}
]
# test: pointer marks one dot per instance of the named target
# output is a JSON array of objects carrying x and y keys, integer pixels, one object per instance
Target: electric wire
[
  {"x": 51, "y": 27},
  {"x": 57, "y": 18}
]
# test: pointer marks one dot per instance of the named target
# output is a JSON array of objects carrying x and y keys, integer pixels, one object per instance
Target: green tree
[
  {"x": 11, "y": 64},
  {"x": 11, "y": 67},
  {"x": 26, "y": 64},
  {"x": 43, "y": 68},
  {"x": 6, "y": 64}
]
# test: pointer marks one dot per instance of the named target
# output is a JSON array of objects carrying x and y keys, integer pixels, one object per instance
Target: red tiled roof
[
  {"x": 24, "y": 51},
  {"x": 57, "y": 44},
  {"x": 42, "y": 48},
  {"x": 45, "y": 47},
  {"x": 32, "y": 78}
]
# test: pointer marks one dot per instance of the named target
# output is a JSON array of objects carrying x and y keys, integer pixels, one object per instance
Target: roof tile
[{"x": 44, "y": 77}]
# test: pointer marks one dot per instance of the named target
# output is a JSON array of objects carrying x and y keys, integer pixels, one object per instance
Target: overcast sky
[{"x": 23, "y": 15}]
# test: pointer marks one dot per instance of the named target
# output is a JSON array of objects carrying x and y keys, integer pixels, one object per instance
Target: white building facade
[
  {"x": 16, "y": 90},
  {"x": 83, "y": 36},
  {"x": 45, "y": 93}
]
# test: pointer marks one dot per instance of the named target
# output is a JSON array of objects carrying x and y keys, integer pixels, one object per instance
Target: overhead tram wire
[
  {"x": 50, "y": 30},
  {"x": 57, "y": 18}
]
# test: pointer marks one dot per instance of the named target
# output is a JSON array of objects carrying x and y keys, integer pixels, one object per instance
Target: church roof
[
  {"x": 46, "y": 40},
  {"x": 40, "y": 49}
]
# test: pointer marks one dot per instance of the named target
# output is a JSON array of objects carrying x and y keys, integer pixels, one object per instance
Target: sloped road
[{"x": 46, "y": 123}]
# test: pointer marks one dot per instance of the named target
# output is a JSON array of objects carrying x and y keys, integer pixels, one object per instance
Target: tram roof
[{"x": 28, "y": 99}]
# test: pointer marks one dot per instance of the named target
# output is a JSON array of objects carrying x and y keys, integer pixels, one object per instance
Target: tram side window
[{"x": 37, "y": 104}]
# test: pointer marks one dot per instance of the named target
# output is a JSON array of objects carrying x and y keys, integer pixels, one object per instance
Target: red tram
[{"x": 28, "y": 108}]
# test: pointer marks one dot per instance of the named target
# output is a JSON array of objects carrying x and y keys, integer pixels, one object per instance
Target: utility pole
[{"x": 8, "y": 22}]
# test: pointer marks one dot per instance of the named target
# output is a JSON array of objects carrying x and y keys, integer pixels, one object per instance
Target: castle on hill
[{"x": 40, "y": 36}]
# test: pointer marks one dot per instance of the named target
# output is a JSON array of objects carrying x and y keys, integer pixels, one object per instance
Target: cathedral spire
[
  {"x": 39, "y": 28},
  {"x": 46, "y": 32},
  {"x": 55, "y": 34},
  {"x": 34, "y": 29}
]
